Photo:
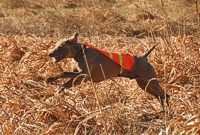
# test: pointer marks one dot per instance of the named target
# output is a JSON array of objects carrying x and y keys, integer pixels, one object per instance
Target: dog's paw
[{"x": 50, "y": 79}]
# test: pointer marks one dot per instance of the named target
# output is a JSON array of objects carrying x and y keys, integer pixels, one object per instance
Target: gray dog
[{"x": 102, "y": 67}]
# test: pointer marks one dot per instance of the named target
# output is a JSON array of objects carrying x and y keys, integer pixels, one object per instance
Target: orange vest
[{"x": 124, "y": 60}]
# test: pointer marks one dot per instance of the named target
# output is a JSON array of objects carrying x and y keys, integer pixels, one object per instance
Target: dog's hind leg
[
  {"x": 142, "y": 84},
  {"x": 147, "y": 73}
]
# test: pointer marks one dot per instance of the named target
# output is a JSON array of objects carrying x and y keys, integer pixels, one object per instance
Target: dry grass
[{"x": 31, "y": 106}]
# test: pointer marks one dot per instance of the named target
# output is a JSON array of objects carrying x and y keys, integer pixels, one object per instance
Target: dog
[{"x": 97, "y": 66}]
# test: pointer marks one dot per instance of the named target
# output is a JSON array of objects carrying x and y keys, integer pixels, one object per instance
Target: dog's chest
[{"x": 74, "y": 66}]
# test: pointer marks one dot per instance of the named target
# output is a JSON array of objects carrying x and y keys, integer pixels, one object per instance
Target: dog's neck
[{"x": 79, "y": 49}]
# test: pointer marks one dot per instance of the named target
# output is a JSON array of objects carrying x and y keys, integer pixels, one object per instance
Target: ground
[{"x": 30, "y": 105}]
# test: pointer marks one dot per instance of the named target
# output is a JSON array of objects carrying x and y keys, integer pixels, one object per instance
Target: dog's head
[{"x": 64, "y": 48}]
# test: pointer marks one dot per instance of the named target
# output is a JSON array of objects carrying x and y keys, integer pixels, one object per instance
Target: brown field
[{"x": 29, "y": 29}]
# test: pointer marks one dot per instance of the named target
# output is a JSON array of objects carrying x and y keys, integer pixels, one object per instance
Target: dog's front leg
[
  {"x": 75, "y": 81},
  {"x": 64, "y": 75}
]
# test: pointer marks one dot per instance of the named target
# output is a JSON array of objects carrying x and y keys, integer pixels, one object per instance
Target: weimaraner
[{"x": 101, "y": 67}]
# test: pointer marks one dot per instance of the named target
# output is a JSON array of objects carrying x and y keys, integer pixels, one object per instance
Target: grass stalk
[{"x": 97, "y": 99}]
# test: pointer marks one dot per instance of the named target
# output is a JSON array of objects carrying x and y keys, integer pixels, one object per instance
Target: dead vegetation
[{"x": 31, "y": 106}]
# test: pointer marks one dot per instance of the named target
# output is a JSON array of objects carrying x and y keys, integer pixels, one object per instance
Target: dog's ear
[{"x": 74, "y": 38}]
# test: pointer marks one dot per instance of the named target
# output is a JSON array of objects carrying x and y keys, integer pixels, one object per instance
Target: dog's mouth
[{"x": 59, "y": 58}]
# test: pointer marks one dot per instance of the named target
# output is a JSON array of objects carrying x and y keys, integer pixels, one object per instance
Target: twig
[
  {"x": 197, "y": 11},
  {"x": 147, "y": 88},
  {"x": 102, "y": 71},
  {"x": 197, "y": 8},
  {"x": 84, "y": 55}
]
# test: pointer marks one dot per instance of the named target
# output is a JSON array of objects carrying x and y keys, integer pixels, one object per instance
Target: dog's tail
[{"x": 149, "y": 51}]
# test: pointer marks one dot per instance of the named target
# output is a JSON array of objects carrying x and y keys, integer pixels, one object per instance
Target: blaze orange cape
[{"x": 124, "y": 60}]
